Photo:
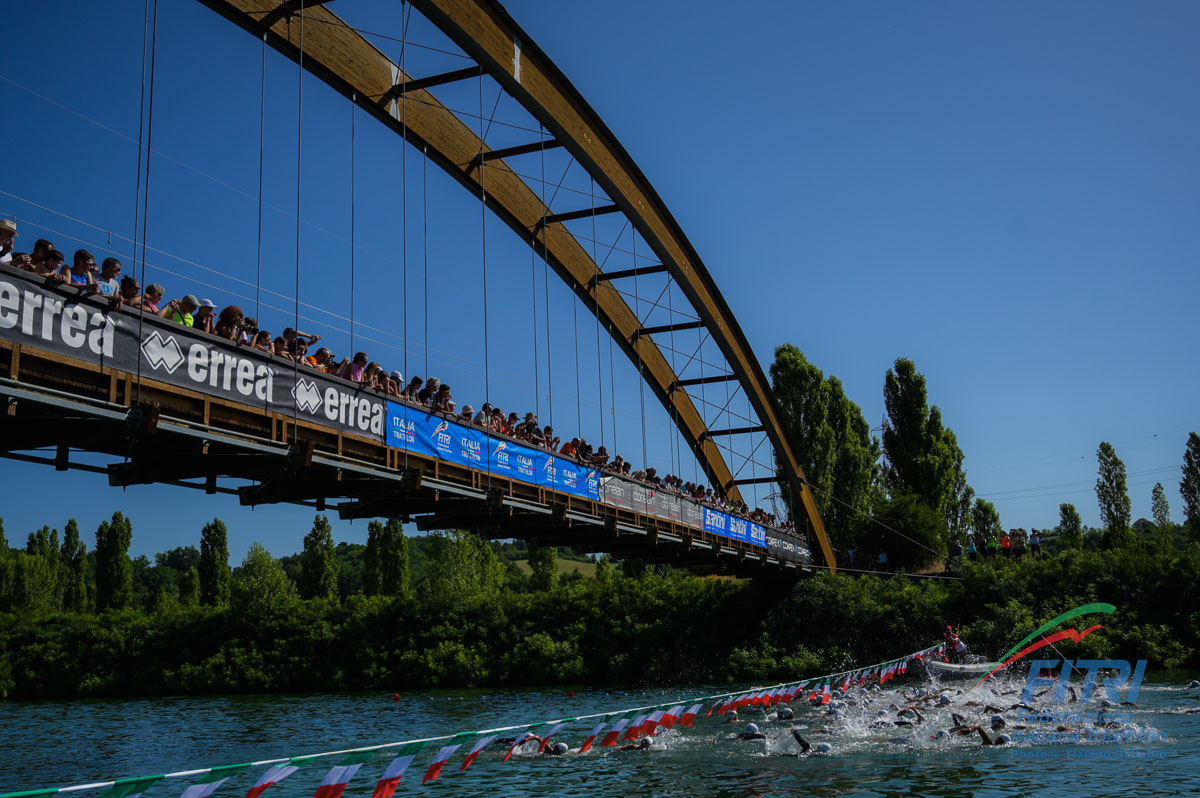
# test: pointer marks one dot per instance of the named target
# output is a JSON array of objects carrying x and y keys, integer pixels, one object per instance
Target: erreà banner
[{"x": 62, "y": 320}]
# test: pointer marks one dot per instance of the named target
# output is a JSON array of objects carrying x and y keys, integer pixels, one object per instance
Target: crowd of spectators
[{"x": 232, "y": 324}]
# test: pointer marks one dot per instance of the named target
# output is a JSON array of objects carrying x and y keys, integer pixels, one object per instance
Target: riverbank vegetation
[{"x": 447, "y": 610}]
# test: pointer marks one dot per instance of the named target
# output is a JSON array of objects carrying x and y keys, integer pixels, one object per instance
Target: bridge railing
[{"x": 65, "y": 321}]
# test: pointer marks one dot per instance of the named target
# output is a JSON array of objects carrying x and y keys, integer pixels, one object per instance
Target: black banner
[{"x": 61, "y": 320}]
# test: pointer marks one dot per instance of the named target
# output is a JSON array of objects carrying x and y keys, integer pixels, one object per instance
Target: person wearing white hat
[
  {"x": 8, "y": 231},
  {"x": 751, "y": 733}
]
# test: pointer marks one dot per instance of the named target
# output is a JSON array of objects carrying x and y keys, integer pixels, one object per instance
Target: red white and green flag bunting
[
  {"x": 635, "y": 728},
  {"x": 276, "y": 774},
  {"x": 689, "y": 715},
  {"x": 439, "y": 762},
  {"x": 614, "y": 734},
  {"x": 208, "y": 783},
  {"x": 553, "y": 730},
  {"x": 480, "y": 744},
  {"x": 518, "y": 742},
  {"x": 593, "y": 736},
  {"x": 386, "y": 786},
  {"x": 339, "y": 775},
  {"x": 131, "y": 788},
  {"x": 652, "y": 722},
  {"x": 671, "y": 717}
]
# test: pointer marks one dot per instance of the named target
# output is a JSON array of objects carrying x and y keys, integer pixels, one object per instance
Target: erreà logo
[
  {"x": 162, "y": 352},
  {"x": 308, "y": 396}
]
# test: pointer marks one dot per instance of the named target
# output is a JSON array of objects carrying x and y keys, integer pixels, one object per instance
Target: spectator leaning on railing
[{"x": 232, "y": 325}]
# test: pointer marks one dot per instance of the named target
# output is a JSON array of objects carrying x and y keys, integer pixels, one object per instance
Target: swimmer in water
[
  {"x": 644, "y": 744},
  {"x": 785, "y": 714},
  {"x": 731, "y": 716},
  {"x": 751, "y": 733}
]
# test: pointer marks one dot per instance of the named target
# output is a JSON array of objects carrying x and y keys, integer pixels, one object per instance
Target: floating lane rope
[{"x": 614, "y": 725}]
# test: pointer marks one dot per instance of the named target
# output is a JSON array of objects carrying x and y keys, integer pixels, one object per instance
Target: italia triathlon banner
[
  {"x": 64, "y": 321},
  {"x": 388, "y": 763},
  {"x": 418, "y": 431}
]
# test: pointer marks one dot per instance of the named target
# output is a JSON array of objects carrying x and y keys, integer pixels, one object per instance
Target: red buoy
[{"x": 395, "y": 696}]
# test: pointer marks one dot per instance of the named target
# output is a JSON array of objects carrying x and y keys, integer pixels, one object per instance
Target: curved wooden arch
[{"x": 349, "y": 63}]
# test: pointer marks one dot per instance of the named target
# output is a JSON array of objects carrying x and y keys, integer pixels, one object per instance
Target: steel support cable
[
  {"x": 262, "y": 123},
  {"x": 299, "y": 184},
  {"x": 672, "y": 439},
  {"x": 138, "y": 194},
  {"x": 546, "y": 282},
  {"x": 487, "y": 397},
  {"x": 405, "y": 16},
  {"x": 353, "y": 101},
  {"x": 873, "y": 519},
  {"x": 537, "y": 382},
  {"x": 575, "y": 329},
  {"x": 641, "y": 375},
  {"x": 596, "y": 302}
]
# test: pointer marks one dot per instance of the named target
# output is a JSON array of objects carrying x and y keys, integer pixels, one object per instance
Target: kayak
[{"x": 957, "y": 670}]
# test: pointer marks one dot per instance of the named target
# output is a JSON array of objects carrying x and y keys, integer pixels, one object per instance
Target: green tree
[
  {"x": 394, "y": 567},
  {"x": 214, "y": 564},
  {"x": 543, "y": 567},
  {"x": 923, "y": 456},
  {"x": 910, "y": 533},
  {"x": 114, "y": 571},
  {"x": 985, "y": 520},
  {"x": 73, "y": 556},
  {"x": 261, "y": 586},
  {"x": 462, "y": 570},
  {"x": 189, "y": 588},
  {"x": 318, "y": 563},
  {"x": 371, "y": 558},
  {"x": 1162, "y": 514},
  {"x": 1070, "y": 527},
  {"x": 1189, "y": 486},
  {"x": 604, "y": 571},
  {"x": 832, "y": 441},
  {"x": 6, "y": 571},
  {"x": 1113, "y": 497}
]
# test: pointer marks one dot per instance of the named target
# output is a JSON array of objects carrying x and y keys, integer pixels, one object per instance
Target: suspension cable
[
  {"x": 612, "y": 387},
  {"x": 546, "y": 283},
  {"x": 137, "y": 195},
  {"x": 353, "y": 102},
  {"x": 299, "y": 183},
  {"x": 596, "y": 309},
  {"x": 262, "y": 123},
  {"x": 575, "y": 329},
  {"x": 637, "y": 314},
  {"x": 487, "y": 397},
  {"x": 537, "y": 386},
  {"x": 146, "y": 204}
]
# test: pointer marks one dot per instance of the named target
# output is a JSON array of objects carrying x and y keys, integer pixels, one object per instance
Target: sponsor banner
[
  {"x": 615, "y": 491},
  {"x": 420, "y": 431},
  {"x": 668, "y": 505},
  {"x": 716, "y": 522},
  {"x": 693, "y": 514},
  {"x": 61, "y": 320}
]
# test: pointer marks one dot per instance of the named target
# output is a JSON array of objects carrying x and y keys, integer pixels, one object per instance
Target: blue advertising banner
[{"x": 417, "y": 431}]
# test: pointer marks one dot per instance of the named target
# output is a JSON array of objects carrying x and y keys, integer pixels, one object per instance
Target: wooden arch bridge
[{"x": 76, "y": 376}]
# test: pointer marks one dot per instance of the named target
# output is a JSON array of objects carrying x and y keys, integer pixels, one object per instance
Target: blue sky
[{"x": 1005, "y": 194}]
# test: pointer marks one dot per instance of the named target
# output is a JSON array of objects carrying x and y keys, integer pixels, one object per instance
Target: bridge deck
[{"x": 67, "y": 387}]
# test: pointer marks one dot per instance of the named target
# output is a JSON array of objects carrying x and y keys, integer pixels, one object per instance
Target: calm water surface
[{"x": 56, "y": 743}]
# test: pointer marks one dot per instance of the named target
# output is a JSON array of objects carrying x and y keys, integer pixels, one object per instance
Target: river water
[{"x": 57, "y": 743}]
